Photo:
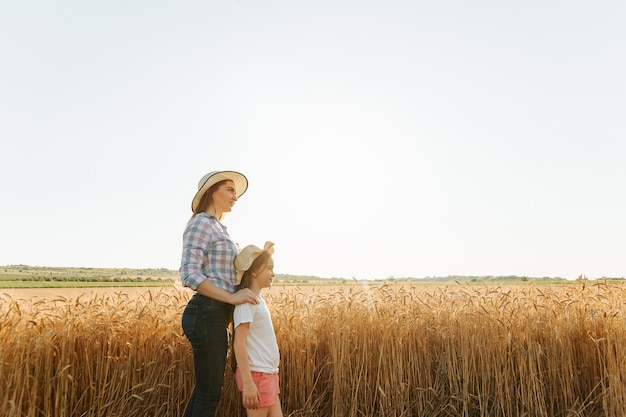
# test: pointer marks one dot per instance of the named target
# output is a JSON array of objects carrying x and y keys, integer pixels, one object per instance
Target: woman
[{"x": 207, "y": 268}]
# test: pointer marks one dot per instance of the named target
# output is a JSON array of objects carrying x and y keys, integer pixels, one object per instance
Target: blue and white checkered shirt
[{"x": 208, "y": 254}]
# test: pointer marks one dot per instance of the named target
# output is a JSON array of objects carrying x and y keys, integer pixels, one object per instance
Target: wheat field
[{"x": 359, "y": 350}]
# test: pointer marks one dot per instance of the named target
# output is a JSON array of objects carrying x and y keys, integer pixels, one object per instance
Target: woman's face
[{"x": 224, "y": 197}]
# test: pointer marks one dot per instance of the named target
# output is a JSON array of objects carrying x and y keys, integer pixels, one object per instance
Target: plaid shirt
[{"x": 208, "y": 254}]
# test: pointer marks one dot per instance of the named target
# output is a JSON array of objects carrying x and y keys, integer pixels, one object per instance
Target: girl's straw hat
[
  {"x": 240, "y": 180},
  {"x": 244, "y": 260}
]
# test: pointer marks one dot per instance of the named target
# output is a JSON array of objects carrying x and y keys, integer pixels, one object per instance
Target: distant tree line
[{"x": 52, "y": 278}]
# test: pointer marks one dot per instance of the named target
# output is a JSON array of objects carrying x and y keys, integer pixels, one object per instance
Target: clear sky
[{"x": 380, "y": 138}]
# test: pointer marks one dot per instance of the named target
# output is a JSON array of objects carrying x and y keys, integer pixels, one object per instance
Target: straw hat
[
  {"x": 244, "y": 260},
  {"x": 240, "y": 180}
]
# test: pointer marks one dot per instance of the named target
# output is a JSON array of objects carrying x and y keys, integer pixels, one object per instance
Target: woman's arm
[
  {"x": 245, "y": 295},
  {"x": 250, "y": 394},
  {"x": 196, "y": 238}
]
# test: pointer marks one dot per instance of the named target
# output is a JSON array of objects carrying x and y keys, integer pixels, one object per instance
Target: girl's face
[
  {"x": 224, "y": 197},
  {"x": 264, "y": 276}
]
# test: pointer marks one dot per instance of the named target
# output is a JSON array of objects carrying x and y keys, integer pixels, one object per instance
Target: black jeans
[{"x": 205, "y": 323}]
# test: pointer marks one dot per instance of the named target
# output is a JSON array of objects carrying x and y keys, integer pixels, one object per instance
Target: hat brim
[
  {"x": 240, "y": 180},
  {"x": 244, "y": 260}
]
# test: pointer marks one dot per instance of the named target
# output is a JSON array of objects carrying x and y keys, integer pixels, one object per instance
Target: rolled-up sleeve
[{"x": 196, "y": 240}]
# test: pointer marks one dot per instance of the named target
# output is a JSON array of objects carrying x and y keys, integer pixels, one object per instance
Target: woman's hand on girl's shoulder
[{"x": 243, "y": 296}]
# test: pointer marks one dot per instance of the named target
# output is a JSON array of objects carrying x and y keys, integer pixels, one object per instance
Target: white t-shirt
[{"x": 263, "y": 354}]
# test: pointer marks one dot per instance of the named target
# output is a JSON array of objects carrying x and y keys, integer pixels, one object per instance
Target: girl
[
  {"x": 207, "y": 268},
  {"x": 256, "y": 350}
]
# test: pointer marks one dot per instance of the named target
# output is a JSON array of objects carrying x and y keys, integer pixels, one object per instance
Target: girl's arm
[{"x": 250, "y": 392}]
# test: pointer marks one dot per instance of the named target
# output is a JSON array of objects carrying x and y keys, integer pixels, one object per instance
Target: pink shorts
[{"x": 267, "y": 384}]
